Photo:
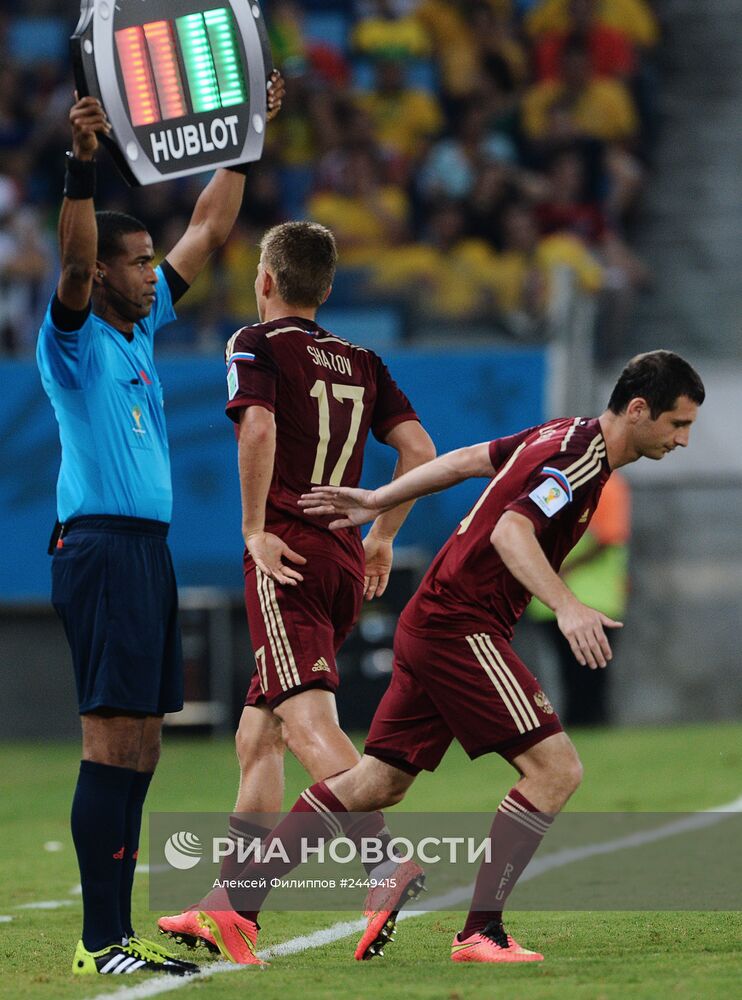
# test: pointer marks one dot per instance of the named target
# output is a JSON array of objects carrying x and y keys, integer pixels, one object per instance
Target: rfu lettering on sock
[
  {"x": 506, "y": 874},
  {"x": 188, "y": 140}
]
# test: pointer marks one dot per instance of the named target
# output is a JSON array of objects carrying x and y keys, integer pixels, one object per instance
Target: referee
[{"x": 113, "y": 584}]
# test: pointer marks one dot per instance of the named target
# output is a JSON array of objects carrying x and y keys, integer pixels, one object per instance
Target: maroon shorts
[
  {"x": 472, "y": 688},
  {"x": 296, "y": 631}
]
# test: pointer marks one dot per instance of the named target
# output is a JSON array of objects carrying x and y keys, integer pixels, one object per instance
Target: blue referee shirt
[{"x": 108, "y": 402}]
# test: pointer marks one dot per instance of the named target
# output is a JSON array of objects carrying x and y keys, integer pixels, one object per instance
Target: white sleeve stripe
[
  {"x": 570, "y": 432},
  {"x": 587, "y": 474},
  {"x": 596, "y": 447}
]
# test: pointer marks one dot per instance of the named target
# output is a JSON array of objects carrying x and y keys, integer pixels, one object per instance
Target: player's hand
[
  {"x": 268, "y": 551},
  {"x": 88, "y": 121},
  {"x": 354, "y": 506},
  {"x": 583, "y": 627},
  {"x": 276, "y": 94},
  {"x": 378, "y": 553}
]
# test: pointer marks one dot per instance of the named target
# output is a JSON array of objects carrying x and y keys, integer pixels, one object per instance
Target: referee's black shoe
[{"x": 134, "y": 955}]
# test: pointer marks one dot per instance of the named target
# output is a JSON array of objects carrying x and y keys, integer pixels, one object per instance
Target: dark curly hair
[
  {"x": 111, "y": 227},
  {"x": 660, "y": 378}
]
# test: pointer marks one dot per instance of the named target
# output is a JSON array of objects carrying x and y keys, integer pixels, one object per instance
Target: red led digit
[
  {"x": 137, "y": 73},
  {"x": 161, "y": 45}
]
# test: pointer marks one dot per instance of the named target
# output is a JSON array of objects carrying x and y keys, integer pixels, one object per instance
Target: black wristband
[
  {"x": 79, "y": 178},
  {"x": 240, "y": 168}
]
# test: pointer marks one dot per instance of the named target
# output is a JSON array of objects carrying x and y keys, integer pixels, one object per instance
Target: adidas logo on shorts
[{"x": 321, "y": 665}]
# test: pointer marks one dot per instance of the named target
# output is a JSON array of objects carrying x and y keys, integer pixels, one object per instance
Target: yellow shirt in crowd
[
  {"x": 558, "y": 250},
  {"x": 634, "y": 18},
  {"x": 405, "y": 35},
  {"x": 360, "y": 231},
  {"x": 403, "y": 119},
  {"x": 604, "y": 110}
]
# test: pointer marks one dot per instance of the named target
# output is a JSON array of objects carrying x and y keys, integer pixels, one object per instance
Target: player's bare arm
[
  {"x": 514, "y": 539},
  {"x": 414, "y": 447},
  {"x": 216, "y": 209},
  {"x": 256, "y": 454},
  {"x": 357, "y": 506},
  {"x": 78, "y": 233}
]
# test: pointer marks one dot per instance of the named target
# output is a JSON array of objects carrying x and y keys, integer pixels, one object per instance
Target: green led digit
[
  {"x": 199, "y": 65},
  {"x": 224, "y": 48}
]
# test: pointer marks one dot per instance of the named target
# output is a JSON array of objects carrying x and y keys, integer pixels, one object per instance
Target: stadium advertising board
[{"x": 470, "y": 396}]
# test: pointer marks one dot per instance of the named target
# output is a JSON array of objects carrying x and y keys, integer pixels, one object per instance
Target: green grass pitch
[{"x": 589, "y": 956}]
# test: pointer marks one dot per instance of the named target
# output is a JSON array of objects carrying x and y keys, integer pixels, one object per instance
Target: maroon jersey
[
  {"x": 554, "y": 475},
  {"x": 327, "y": 394}
]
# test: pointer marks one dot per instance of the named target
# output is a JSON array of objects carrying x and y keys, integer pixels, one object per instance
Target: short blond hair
[{"x": 302, "y": 256}]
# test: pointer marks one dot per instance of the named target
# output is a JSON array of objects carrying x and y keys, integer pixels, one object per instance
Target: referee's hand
[
  {"x": 87, "y": 119},
  {"x": 276, "y": 94}
]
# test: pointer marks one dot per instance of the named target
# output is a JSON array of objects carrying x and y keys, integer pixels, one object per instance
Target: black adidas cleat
[{"x": 135, "y": 955}]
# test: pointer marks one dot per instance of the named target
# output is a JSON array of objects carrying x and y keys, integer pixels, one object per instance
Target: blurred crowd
[{"x": 464, "y": 152}]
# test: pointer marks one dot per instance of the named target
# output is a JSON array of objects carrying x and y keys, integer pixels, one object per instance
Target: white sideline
[
  {"x": 46, "y": 904},
  {"x": 708, "y": 817}
]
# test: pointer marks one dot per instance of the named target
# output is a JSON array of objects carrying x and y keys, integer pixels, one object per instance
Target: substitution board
[{"x": 183, "y": 82}]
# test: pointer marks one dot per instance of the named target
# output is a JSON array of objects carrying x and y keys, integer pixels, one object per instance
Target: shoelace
[
  {"x": 148, "y": 951},
  {"x": 496, "y": 932},
  {"x": 157, "y": 948}
]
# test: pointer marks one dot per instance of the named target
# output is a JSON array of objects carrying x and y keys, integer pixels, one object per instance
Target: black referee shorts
[{"x": 114, "y": 588}]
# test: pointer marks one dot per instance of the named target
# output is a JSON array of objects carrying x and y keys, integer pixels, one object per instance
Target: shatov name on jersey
[
  {"x": 187, "y": 140},
  {"x": 335, "y": 362}
]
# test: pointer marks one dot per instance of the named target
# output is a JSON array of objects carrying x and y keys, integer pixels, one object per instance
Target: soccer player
[
  {"x": 455, "y": 673},
  {"x": 303, "y": 402},
  {"x": 112, "y": 578}
]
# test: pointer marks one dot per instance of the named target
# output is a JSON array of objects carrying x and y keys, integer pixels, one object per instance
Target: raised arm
[
  {"x": 217, "y": 207},
  {"x": 358, "y": 506},
  {"x": 414, "y": 447},
  {"x": 78, "y": 233},
  {"x": 211, "y": 223},
  {"x": 514, "y": 539}
]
